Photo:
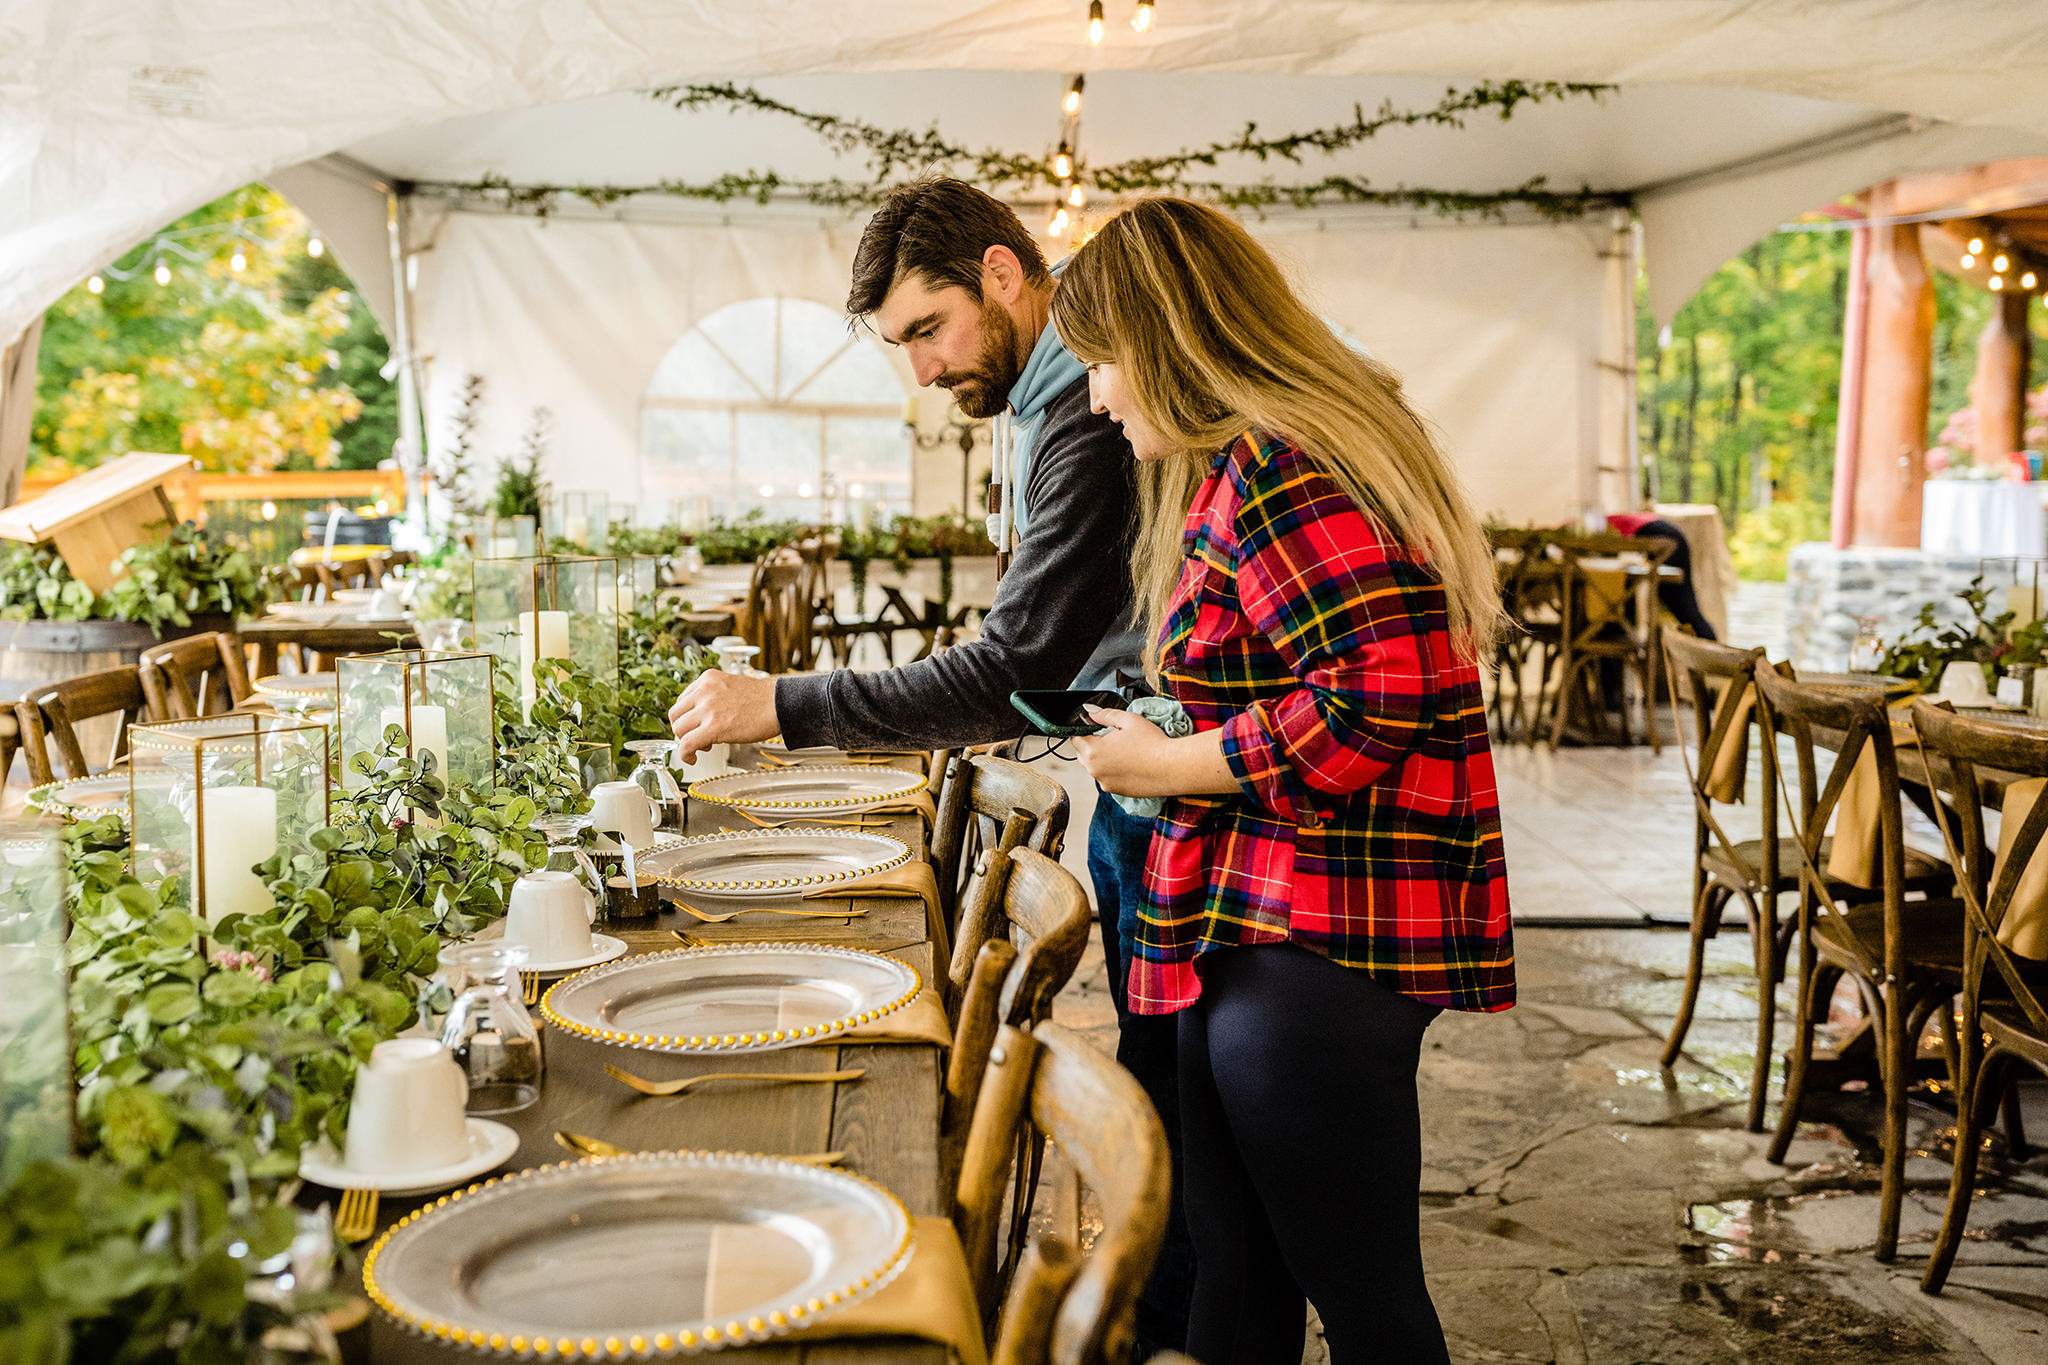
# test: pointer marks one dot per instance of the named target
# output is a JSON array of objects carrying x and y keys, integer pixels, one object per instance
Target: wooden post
[
  {"x": 1999, "y": 392},
  {"x": 1849, "y": 403},
  {"x": 1892, "y": 440}
]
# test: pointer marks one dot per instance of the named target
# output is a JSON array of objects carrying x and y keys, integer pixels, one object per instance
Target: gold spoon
[{"x": 647, "y": 1087}]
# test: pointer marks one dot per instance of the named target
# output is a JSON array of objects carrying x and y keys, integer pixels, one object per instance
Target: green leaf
[
  {"x": 172, "y": 1002},
  {"x": 230, "y": 990}
]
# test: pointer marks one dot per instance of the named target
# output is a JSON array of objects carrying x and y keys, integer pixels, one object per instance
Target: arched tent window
[{"x": 773, "y": 403}]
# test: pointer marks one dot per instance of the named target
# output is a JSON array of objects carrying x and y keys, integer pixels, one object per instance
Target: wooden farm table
[
  {"x": 887, "y": 1123},
  {"x": 323, "y": 641}
]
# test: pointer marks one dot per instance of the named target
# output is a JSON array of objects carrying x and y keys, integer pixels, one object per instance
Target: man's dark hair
[{"x": 937, "y": 228}]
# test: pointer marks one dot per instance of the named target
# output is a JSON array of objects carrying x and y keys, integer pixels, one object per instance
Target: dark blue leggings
[{"x": 1302, "y": 1151}]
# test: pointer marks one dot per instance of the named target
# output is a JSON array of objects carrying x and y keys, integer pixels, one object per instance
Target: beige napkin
[
  {"x": 932, "y": 1298},
  {"x": 1853, "y": 857},
  {"x": 1730, "y": 771},
  {"x": 2024, "y": 931},
  {"x": 923, "y": 1020},
  {"x": 912, "y": 878},
  {"x": 919, "y": 801}
]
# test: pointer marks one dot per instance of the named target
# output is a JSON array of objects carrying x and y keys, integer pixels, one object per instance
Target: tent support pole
[
  {"x": 1630, "y": 235},
  {"x": 411, "y": 447}
]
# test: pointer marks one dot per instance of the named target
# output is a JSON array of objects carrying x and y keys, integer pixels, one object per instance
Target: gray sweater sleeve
[{"x": 1067, "y": 586}]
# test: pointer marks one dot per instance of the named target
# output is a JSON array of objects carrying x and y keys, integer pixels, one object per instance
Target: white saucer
[
  {"x": 605, "y": 949},
  {"x": 490, "y": 1146}
]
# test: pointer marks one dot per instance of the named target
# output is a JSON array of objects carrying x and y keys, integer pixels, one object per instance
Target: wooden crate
[{"x": 93, "y": 518}]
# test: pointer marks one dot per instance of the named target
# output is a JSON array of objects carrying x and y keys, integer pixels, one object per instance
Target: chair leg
[
  {"x": 1897, "y": 1044},
  {"x": 1649, "y": 704},
  {"x": 2009, "y": 1119},
  {"x": 1568, "y": 675},
  {"x": 1707, "y": 903},
  {"x": 1962, "y": 1178},
  {"x": 1802, "y": 1053},
  {"x": 1764, "y": 944}
]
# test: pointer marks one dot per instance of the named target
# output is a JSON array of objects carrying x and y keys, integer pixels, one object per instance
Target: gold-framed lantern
[
  {"x": 2018, "y": 584},
  {"x": 442, "y": 700},
  {"x": 584, "y": 516},
  {"x": 639, "y": 583},
  {"x": 208, "y": 799},
  {"x": 548, "y": 607},
  {"x": 507, "y": 537},
  {"x": 38, "y": 1095}
]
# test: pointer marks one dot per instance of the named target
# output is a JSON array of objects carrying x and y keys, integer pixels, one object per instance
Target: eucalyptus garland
[{"x": 896, "y": 154}]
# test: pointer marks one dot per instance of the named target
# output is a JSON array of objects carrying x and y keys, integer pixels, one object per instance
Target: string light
[
  {"x": 1058, "y": 226},
  {"x": 1072, "y": 103},
  {"x": 95, "y": 285},
  {"x": 1063, "y": 163},
  {"x": 1095, "y": 21},
  {"x": 1969, "y": 260},
  {"x": 1999, "y": 263},
  {"x": 163, "y": 273},
  {"x": 1976, "y": 246},
  {"x": 1076, "y": 197},
  {"x": 238, "y": 262},
  {"x": 269, "y": 510},
  {"x": 315, "y": 247},
  {"x": 1997, "y": 283},
  {"x": 1142, "y": 20},
  {"x": 2027, "y": 280},
  {"x": 767, "y": 490}
]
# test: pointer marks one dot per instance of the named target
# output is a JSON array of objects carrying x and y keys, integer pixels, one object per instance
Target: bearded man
[{"x": 954, "y": 278}]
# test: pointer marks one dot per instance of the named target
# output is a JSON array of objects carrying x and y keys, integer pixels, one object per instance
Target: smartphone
[{"x": 1060, "y": 713}]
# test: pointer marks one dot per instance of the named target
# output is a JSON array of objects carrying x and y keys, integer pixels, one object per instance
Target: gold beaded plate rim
[
  {"x": 50, "y": 798},
  {"x": 296, "y": 685},
  {"x": 765, "y": 1040},
  {"x": 758, "y": 885},
  {"x": 701, "y": 789},
  {"x": 692, "y": 1339}
]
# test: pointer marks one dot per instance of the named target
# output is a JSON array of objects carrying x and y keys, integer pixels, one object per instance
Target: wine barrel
[{"x": 36, "y": 652}]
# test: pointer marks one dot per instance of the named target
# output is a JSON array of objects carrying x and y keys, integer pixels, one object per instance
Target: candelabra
[{"x": 958, "y": 431}]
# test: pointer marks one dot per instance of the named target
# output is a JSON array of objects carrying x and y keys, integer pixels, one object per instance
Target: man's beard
[{"x": 984, "y": 390}]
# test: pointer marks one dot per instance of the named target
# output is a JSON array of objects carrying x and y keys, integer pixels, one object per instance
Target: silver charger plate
[
  {"x": 637, "y": 1257},
  {"x": 820, "y": 789},
  {"x": 1999, "y": 715},
  {"x": 745, "y": 997},
  {"x": 83, "y": 797},
  {"x": 769, "y": 862}
]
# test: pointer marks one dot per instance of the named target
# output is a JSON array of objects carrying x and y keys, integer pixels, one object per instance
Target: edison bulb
[
  {"x": 1142, "y": 20},
  {"x": 2027, "y": 280},
  {"x": 1058, "y": 224},
  {"x": 238, "y": 262},
  {"x": 1976, "y": 245},
  {"x": 95, "y": 284},
  {"x": 1077, "y": 196},
  {"x": 1095, "y": 22},
  {"x": 1997, "y": 283},
  {"x": 1063, "y": 164},
  {"x": 1999, "y": 263},
  {"x": 163, "y": 273},
  {"x": 314, "y": 246},
  {"x": 1968, "y": 261}
]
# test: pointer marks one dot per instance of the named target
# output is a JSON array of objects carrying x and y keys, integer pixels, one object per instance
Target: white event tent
[{"x": 1514, "y": 333}]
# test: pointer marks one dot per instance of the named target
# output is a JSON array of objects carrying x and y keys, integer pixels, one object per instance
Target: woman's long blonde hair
[{"x": 1211, "y": 342}]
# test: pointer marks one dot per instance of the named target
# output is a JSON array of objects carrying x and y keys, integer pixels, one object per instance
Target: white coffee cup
[
  {"x": 715, "y": 761},
  {"x": 550, "y": 912},
  {"x": 384, "y": 605},
  {"x": 621, "y": 809},
  {"x": 1962, "y": 684},
  {"x": 408, "y": 1110}
]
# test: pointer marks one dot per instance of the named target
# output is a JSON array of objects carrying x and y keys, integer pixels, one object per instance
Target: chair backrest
[
  {"x": 1598, "y": 602},
  {"x": 1042, "y": 910},
  {"x": 1962, "y": 745},
  {"x": 1716, "y": 681},
  {"x": 200, "y": 675},
  {"x": 978, "y": 796},
  {"x": 51, "y": 712},
  {"x": 1860, "y": 723},
  {"x": 779, "y": 612},
  {"x": 1053, "y": 1082}
]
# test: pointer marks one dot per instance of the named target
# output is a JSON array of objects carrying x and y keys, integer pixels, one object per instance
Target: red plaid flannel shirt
[{"x": 1368, "y": 825}]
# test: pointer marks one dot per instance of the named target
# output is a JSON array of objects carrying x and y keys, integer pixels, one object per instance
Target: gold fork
[
  {"x": 863, "y": 822},
  {"x": 647, "y": 1087},
  {"x": 356, "y": 1219},
  {"x": 710, "y": 917},
  {"x": 530, "y": 983}
]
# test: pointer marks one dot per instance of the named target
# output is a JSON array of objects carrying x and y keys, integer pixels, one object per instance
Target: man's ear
[{"x": 1002, "y": 274}]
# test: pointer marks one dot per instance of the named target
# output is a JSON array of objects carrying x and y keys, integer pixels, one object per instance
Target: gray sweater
[{"x": 1060, "y": 618}]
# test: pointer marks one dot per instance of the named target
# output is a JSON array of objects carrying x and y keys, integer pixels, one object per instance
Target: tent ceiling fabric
[{"x": 117, "y": 124}]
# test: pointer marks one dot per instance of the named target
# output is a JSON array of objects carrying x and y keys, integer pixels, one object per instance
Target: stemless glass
[
  {"x": 565, "y": 853},
  {"x": 488, "y": 1030},
  {"x": 653, "y": 777},
  {"x": 1866, "y": 651}
]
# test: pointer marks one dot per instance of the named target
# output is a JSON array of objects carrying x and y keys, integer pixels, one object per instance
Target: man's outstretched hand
[{"x": 723, "y": 708}]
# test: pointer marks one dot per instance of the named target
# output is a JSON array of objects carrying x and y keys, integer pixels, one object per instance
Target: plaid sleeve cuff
[{"x": 1253, "y": 749}]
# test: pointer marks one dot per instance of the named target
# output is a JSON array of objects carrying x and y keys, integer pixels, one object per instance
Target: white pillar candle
[
  {"x": 576, "y": 527},
  {"x": 627, "y": 596},
  {"x": 2024, "y": 602},
  {"x": 429, "y": 732},
  {"x": 504, "y": 547},
  {"x": 552, "y": 630},
  {"x": 240, "y": 830}
]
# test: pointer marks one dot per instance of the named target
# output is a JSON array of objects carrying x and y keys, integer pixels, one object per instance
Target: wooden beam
[
  {"x": 1999, "y": 392},
  {"x": 1892, "y": 440},
  {"x": 1984, "y": 188}
]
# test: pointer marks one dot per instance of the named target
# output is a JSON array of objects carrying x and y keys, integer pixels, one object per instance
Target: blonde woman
[{"x": 1329, "y": 877}]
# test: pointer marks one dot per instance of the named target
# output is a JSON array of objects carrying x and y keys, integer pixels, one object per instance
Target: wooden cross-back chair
[
  {"x": 1042, "y": 911},
  {"x": 1609, "y": 615},
  {"x": 1051, "y": 1083},
  {"x": 49, "y": 717},
  {"x": 2004, "y": 1014},
  {"x": 1905, "y": 958},
  {"x": 200, "y": 675},
  {"x": 1530, "y": 586},
  {"x": 779, "y": 612},
  {"x": 980, "y": 799}
]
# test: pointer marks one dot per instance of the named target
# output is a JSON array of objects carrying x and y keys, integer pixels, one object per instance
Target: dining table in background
[{"x": 322, "y": 642}]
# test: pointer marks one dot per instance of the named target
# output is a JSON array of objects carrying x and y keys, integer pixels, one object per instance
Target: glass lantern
[
  {"x": 208, "y": 799},
  {"x": 441, "y": 700},
  {"x": 639, "y": 583},
  {"x": 506, "y": 537},
  {"x": 549, "y": 607},
  {"x": 37, "y": 1092},
  {"x": 2018, "y": 584},
  {"x": 584, "y": 517}
]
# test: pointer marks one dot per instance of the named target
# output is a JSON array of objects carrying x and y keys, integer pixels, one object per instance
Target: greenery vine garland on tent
[{"x": 894, "y": 153}]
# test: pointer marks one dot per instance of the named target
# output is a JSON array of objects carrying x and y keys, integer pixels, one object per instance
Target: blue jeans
[{"x": 1147, "y": 1047}]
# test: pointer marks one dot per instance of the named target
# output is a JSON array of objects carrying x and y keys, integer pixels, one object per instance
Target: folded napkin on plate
[
  {"x": 931, "y": 1298},
  {"x": 919, "y": 801},
  {"x": 2024, "y": 930},
  {"x": 923, "y": 1020},
  {"x": 912, "y": 878},
  {"x": 1853, "y": 858}
]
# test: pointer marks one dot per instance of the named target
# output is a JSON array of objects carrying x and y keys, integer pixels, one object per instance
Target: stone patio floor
[{"x": 1582, "y": 1205}]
